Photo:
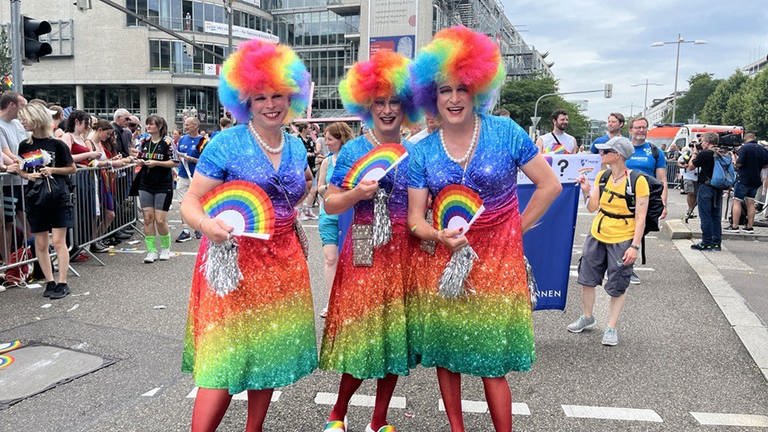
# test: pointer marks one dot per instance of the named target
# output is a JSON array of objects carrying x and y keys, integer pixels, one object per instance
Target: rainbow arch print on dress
[
  {"x": 242, "y": 205},
  {"x": 9, "y": 346},
  {"x": 375, "y": 164},
  {"x": 456, "y": 206},
  {"x": 6, "y": 360}
]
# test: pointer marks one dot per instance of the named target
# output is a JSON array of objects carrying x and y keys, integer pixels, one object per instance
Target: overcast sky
[{"x": 597, "y": 42}]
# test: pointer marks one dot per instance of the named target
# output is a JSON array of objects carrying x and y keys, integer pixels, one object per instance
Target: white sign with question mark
[{"x": 568, "y": 168}]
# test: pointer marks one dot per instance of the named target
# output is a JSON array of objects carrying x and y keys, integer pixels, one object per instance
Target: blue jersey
[
  {"x": 599, "y": 140},
  {"x": 189, "y": 147},
  {"x": 643, "y": 160}
]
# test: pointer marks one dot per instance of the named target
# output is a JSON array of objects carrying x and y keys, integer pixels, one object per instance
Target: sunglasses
[{"x": 607, "y": 151}]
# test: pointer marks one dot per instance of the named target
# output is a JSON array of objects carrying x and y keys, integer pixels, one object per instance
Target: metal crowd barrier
[
  {"x": 100, "y": 194},
  {"x": 673, "y": 174}
]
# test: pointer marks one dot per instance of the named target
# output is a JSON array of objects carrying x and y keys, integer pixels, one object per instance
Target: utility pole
[
  {"x": 228, "y": 8},
  {"x": 646, "y": 84},
  {"x": 17, "y": 36}
]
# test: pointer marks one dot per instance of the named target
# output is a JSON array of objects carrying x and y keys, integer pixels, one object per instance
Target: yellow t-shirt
[{"x": 616, "y": 230}]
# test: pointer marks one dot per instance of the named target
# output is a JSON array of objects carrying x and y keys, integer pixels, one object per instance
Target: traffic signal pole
[{"x": 16, "y": 45}]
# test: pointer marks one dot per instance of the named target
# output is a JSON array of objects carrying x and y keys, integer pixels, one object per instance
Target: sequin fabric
[
  {"x": 262, "y": 335},
  {"x": 489, "y": 332},
  {"x": 365, "y": 330}
]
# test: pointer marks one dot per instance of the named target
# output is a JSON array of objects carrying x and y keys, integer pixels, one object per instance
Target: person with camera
[
  {"x": 750, "y": 159},
  {"x": 709, "y": 198},
  {"x": 690, "y": 178},
  {"x": 47, "y": 166}
]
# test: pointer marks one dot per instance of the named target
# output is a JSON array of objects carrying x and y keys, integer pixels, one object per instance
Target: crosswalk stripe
[
  {"x": 611, "y": 413},
  {"x": 242, "y": 396},
  {"x": 638, "y": 269},
  {"x": 151, "y": 392},
  {"x": 720, "y": 419},
  {"x": 357, "y": 400},
  {"x": 470, "y": 406}
]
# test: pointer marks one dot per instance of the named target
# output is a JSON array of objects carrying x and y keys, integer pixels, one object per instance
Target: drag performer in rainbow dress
[
  {"x": 486, "y": 332},
  {"x": 262, "y": 334},
  {"x": 365, "y": 330}
]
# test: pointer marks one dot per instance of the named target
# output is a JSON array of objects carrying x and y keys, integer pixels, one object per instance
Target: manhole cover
[{"x": 33, "y": 369}]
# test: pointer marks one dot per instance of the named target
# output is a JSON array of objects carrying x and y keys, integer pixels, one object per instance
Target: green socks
[
  {"x": 165, "y": 241},
  {"x": 150, "y": 242}
]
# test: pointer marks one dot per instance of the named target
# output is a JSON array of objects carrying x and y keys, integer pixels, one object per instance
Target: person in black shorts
[
  {"x": 47, "y": 160},
  {"x": 155, "y": 186}
]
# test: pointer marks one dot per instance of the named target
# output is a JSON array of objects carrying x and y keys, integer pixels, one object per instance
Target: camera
[{"x": 730, "y": 140}]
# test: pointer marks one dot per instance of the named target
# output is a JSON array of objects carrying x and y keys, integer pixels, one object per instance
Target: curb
[{"x": 678, "y": 230}]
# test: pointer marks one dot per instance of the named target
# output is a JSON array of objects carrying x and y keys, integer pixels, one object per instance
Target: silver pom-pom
[
  {"x": 221, "y": 269},
  {"x": 454, "y": 277},
  {"x": 382, "y": 225},
  {"x": 533, "y": 288}
]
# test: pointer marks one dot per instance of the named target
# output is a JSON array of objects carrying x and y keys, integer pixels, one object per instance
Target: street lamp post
[
  {"x": 679, "y": 41},
  {"x": 645, "y": 102}
]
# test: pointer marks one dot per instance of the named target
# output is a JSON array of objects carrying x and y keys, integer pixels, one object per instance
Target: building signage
[
  {"x": 238, "y": 32},
  {"x": 392, "y": 26}
]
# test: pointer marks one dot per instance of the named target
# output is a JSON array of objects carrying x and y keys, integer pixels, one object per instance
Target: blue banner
[{"x": 549, "y": 244}]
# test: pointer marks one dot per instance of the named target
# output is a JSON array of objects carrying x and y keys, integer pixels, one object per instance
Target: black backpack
[{"x": 655, "y": 202}]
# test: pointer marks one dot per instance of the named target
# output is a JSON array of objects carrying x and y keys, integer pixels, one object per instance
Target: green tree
[
  {"x": 734, "y": 108},
  {"x": 701, "y": 85},
  {"x": 717, "y": 103},
  {"x": 5, "y": 59},
  {"x": 756, "y": 105},
  {"x": 519, "y": 97}
]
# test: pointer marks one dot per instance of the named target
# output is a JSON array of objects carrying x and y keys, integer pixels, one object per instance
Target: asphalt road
[{"x": 678, "y": 360}]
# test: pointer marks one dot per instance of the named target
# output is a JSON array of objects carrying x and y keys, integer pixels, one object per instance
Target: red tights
[
  {"x": 211, "y": 404},
  {"x": 385, "y": 387},
  {"x": 497, "y": 394}
]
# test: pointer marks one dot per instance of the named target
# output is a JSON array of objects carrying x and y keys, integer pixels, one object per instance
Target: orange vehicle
[{"x": 682, "y": 135}]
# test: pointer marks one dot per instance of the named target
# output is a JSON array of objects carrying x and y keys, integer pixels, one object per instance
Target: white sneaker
[
  {"x": 165, "y": 254},
  {"x": 150, "y": 258}
]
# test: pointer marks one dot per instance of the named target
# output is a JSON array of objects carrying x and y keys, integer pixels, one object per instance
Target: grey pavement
[{"x": 681, "y": 365}]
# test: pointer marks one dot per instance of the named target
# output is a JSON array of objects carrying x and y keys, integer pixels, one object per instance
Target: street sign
[{"x": 535, "y": 120}]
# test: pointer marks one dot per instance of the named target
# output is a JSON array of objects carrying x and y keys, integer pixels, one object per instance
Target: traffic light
[
  {"x": 33, "y": 48},
  {"x": 608, "y": 90}
]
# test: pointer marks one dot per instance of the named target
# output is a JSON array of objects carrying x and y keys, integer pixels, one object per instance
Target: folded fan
[
  {"x": 242, "y": 205},
  {"x": 375, "y": 164}
]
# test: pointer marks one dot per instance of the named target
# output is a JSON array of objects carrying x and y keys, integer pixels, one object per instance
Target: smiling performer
[
  {"x": 262, "y": 334},
  {"x": 365, "y": 331},
  {"x": 487, "y": 332}
]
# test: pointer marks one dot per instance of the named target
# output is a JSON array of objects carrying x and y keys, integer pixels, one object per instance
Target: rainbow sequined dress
[
  {"x": 488, "y": 332},
  {"x": 262, "y": 335},
  {"x": 365, "y": 330}
]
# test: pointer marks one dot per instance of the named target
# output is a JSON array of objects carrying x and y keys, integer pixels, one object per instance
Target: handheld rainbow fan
[
  {"x": 456, "y": 206},
  {"x": 243, "y": 206},
  {"x": 375, "y": 164}
]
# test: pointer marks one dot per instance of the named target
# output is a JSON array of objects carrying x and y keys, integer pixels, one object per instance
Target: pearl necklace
[
  {"x": 260, "y": 140},
  {"x": 375, "y": 140},
  {"x": 472, "y": 144}
]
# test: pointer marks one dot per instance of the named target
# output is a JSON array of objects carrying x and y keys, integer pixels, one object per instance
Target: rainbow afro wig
[
  {"x": 258, "y": 66},
  {"x": 459, "y": 55},
  {"x": 386, "y": 74}
]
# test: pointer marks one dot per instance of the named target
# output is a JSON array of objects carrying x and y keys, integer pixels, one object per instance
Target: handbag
[
  {"x": 362, "y": 245},
  {"x": 48, "y": 193},
  {"x": 302, "y": 235},
  {"x": 533, "y": 287}
]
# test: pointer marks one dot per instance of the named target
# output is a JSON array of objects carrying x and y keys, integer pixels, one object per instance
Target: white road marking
[
  {"x": 640, "y": 269},
  {"x": 720, "y": 419},
  {"x": 151, "y": 392},
  {"x": 242, "y": 396},
  {"x": 141, "y": 252},
  {"x": 357, "y": 400},
  {"x": 611, "y": 413},
  {"x": 469, "y": 406},
  {"x": 309, "y": 226}
]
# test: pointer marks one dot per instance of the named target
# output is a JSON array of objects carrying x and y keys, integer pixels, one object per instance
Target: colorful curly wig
[
  {"x": 461, "y": 55},
  {"x": 386, "y": 74},
  {"x": 258, "y": 66}
]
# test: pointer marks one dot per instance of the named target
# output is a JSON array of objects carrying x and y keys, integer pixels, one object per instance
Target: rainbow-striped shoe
[
  {"x": 336, "y": 426},
  {"x": 385, "y": 428}
]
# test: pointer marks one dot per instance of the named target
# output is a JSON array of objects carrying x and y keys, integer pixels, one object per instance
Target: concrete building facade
[{"x": 104, "y": 59}]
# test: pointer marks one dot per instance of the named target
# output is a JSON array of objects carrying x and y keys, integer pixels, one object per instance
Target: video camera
[{"x": 730, "y": 140}]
